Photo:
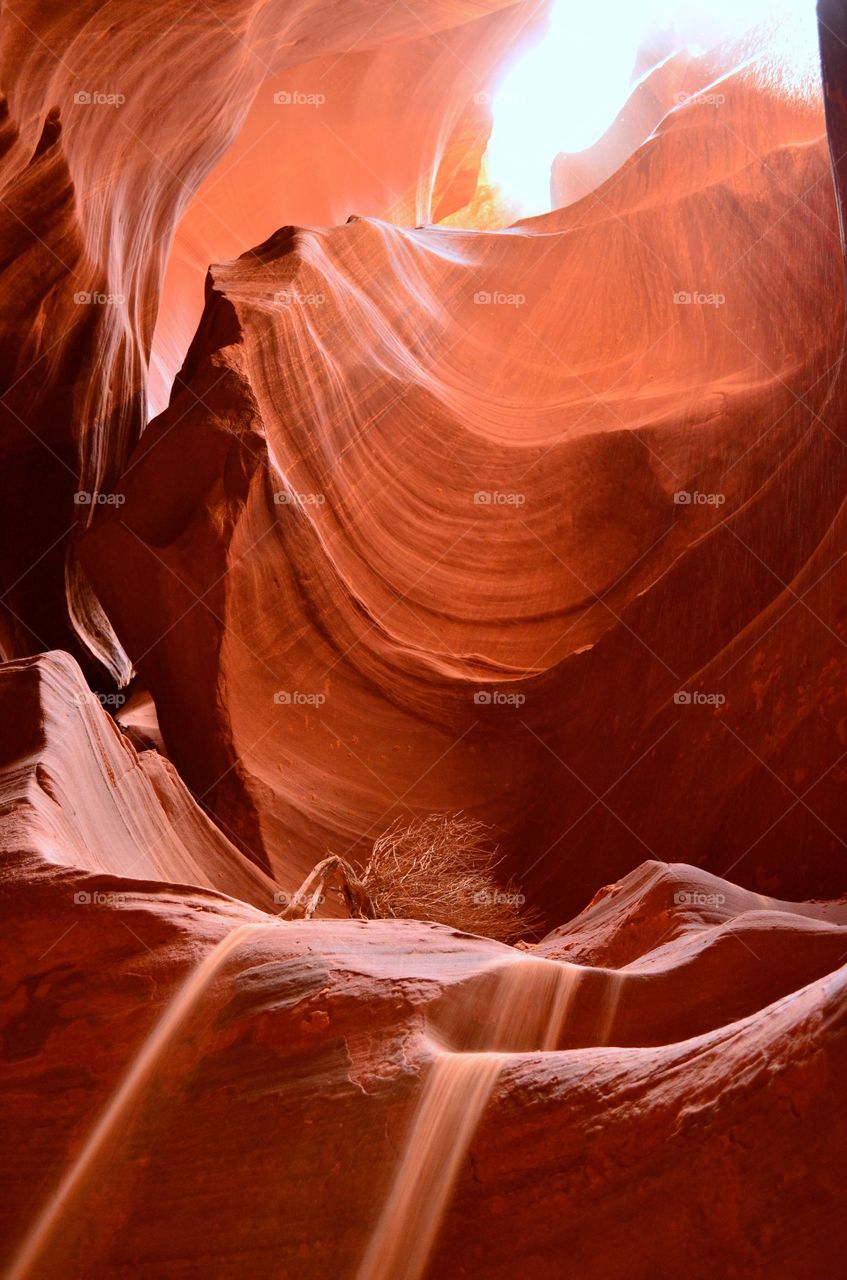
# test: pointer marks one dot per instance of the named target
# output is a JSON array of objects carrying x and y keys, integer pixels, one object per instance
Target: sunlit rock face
[
  {"x": 536, "y": 521},
  {"x": 397, "y": 132},
  {"x": 678, "y": 79},
  {"x": 425, "y": 500}
]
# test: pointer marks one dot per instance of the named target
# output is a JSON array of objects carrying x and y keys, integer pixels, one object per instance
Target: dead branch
[{"x": 308, "y": 897}]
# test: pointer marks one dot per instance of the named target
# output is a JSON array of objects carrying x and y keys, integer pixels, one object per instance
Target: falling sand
[
  {"x": 525, "y": 1013},
  {"x": 43, "y": 1231}
]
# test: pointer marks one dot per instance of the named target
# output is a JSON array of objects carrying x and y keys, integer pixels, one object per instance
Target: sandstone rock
[
  {"x": 545, "y": 525},
  {"x": 264, "y": 1132},
  {"x": 100, "y": 152},
  {"x": 444, "y": 501}
]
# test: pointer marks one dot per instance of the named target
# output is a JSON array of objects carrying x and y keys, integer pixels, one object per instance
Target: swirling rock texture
[
  {"x": 400, "y": 133},
  {"x": 543, "y": 524},
  {"x": 433, "y": 523},
  {"x": 100, "y": 154}
]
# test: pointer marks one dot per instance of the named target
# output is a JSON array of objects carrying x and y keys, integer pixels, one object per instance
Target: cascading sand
[{"x": 525, "y": 1013}]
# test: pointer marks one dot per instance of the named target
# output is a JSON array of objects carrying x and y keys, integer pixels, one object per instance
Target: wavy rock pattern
[
  {"x": 543, "y": 524},
  {"x": 400, "y": 131},
  {"x": 445, "y": 567},
  {"x": 99, "y": 156}
]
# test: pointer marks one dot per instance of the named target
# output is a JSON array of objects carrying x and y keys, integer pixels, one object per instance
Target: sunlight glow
[{"x": 562, "y": 93}]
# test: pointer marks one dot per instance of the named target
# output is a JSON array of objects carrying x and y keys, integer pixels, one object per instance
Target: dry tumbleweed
[{"x": 440, "y": 868}]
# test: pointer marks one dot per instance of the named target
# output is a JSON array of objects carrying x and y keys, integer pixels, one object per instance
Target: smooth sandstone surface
[
  {"x": 692, "y": 1088},
  {"x": 542, "y": 523},
  {"x": 111, "y": 116},
  {"x": 450, "y": 492}
]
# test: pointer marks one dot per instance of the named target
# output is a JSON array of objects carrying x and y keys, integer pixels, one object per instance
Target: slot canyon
[{"x": 423, "y": 639}]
